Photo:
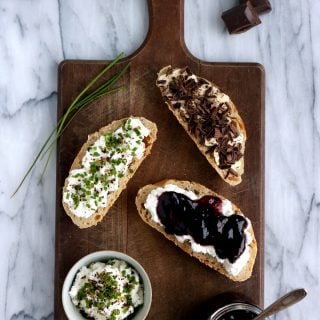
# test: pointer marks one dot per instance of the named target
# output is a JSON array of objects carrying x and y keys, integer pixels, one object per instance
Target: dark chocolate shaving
[
  {"x": 206, "y": 118},
  {"x": 168, "y": 71},
  {"x": 202, "y": 81},
  {"x": 206, "y": 93},
  {"x": 188, "y": 71}
]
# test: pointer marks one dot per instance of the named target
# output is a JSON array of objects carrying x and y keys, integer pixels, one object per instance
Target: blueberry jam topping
[{"x": 203, "y": 220}]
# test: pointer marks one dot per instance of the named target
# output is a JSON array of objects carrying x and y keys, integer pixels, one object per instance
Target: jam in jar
[{"x": 236, "y": 311}]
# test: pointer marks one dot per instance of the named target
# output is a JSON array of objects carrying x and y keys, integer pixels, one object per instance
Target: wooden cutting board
[{"x": 182, "y": 286}]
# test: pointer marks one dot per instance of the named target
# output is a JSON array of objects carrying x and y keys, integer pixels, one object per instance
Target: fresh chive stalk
[{"x": 80, "y": 102}]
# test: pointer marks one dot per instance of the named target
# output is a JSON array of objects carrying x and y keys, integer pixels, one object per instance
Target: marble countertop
[{"x": 36, "y": 35}]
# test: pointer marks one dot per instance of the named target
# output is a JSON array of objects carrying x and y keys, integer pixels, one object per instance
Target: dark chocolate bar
[
  {"x": 261, "y": 6},
  {"x": 241, "y": 18}
]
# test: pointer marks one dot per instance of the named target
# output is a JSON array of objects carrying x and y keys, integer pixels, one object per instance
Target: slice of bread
[
  {"x": 82, "y": 222},
  {"x": 233, "y": 177},
  {"x": 205, "y": 258}
]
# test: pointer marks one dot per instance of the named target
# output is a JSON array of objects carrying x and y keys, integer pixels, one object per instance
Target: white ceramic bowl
[{"x": 72, "y": 311}]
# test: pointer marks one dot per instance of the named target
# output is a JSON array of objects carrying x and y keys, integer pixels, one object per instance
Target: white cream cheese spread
[
  {"x": 110, "y": 290},
  {"x": 105, "y": 162},
  {"x": 227, "y": 210}
]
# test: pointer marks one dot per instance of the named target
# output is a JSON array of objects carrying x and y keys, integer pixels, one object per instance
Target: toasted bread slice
[
  {"x": 97, "y": 216},
  {"x": 251, "y": 247},
  {"x": 184, "y": 91}
]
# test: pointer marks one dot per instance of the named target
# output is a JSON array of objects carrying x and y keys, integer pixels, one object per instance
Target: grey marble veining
[{"x": 36, "y": 35}]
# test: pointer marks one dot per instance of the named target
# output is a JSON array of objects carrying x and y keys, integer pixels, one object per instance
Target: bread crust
[
  {"x": 230, "y": 179},
  {"x": 101, "y": 212},
  {"x": 208, "y": 260}
]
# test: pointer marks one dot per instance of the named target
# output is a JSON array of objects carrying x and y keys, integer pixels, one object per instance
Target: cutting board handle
[{"x": 165, "y": 25}]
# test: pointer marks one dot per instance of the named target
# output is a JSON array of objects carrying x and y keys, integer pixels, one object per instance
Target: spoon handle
[{"x": 283, "y": 303}]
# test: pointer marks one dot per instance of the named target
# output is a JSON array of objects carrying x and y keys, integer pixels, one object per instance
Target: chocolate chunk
[
  {"x": 188, "y": 71},
  {"x": 261, "y": 6},
  {"x": 177, "y": 105},
  {"x": 235, "y": 173},
  {"x": 202, "y": 81},
  {"x": 208, "y": 91},
  {"x": 241, "y": 18},
  {"x": 211, "y": 149},
  {"x": 190, "y": 84}
]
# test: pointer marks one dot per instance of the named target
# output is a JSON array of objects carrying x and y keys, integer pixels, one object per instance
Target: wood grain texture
[{"x": 182, "y": 287}]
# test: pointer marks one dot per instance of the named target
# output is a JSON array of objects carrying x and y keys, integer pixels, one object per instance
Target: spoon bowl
[{"x": 282, "y": 303}]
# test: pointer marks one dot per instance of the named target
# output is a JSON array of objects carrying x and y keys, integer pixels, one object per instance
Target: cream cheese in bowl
[
  {"x": 107, "y": 290},
  {"x": 106, "y": 285}
]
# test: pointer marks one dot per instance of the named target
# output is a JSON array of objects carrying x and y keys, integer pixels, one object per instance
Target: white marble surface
[{"x": 36, "y": 35}]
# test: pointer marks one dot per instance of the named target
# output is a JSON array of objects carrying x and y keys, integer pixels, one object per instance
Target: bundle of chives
[{"x": 79, "y": 103}]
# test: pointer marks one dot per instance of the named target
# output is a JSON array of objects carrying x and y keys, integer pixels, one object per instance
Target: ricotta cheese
[
  {"x": 105, "y": 162},
  {"x": 110, "y": 290}
]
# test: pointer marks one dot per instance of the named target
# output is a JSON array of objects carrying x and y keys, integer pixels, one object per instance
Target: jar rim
[{"x": 234, "y": 306}]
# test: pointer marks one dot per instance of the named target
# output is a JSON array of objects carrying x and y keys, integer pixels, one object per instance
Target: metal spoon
[{"x": 282, "y": 303}]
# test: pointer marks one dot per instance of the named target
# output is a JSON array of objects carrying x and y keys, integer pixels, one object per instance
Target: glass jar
[{"x": 236, "y": 311}]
